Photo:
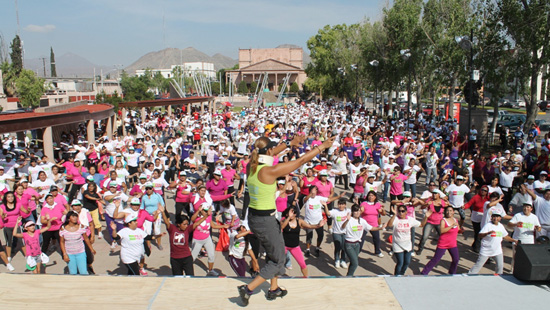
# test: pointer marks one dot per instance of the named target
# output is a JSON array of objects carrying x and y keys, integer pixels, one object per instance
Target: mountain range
[
  {"x": 70, "y": 65},
  {"x": 167, "y": 57}
]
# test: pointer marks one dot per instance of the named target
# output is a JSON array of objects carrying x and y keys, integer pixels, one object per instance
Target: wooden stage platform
[
  {"x": 26, "y": 291},
  {"x": 120, "y": 292}
]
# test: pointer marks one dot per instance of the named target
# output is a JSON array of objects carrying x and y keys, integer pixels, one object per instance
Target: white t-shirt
[
  {"x": 132, "y": 245},
  {"x": 402, "y": 234},
  {"x": 495, "y": 189},
  {"x": 488, "y": 212},
  {"x": 43, "y": 187},
  {"x": 456, "y": 194},
  {"x": 236, "y": 246},
  {"x": 339, "y": 218},
  {"x": 354, "y": 171},
  {"x": 314, "y": 209},
  {"x": 506, "y": 179},
  {"x": 526, "y": 231},
  {"x": 355, "y": 228},
  {"x": 540, "y": 186},
  {"x": 132, "y": 159},
  {"x": 491, "y": 245},
  {"x": 412, "y": 178},
  {"x": 542, "y": 208}
]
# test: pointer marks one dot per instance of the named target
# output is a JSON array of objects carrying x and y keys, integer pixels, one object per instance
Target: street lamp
[
  {"x": 375, "y": 64},
  {"x": 342, "y": 71},
  {"x": 354, "y": 68},
  {"x": 468, "y": 44},
  {"x": 406, "y": 55}
]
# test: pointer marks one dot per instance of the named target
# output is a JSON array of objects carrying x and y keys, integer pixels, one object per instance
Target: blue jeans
[
  {"x": 431, "y": 175},
  {"x": 339, "y": 249},
  {"x": 386, "y": 190},
  {"x": 352, "y": 250},
  {"x": 77, "y": 263},
  {"x": 403, "y": 261},
  {"x": 411, "y": 188}
]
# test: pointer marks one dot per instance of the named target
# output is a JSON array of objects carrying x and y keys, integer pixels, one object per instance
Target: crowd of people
[{"x": 185, "y": 176}]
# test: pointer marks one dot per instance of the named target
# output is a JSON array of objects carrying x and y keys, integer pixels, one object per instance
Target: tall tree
[
  {"x": 29, "y": 88},
  {"x": 527, "y": 24},
  {"x": 16, "y": 55},
  {"x": 53, "y": 72}
]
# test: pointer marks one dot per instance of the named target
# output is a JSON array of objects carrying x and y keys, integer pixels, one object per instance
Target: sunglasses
[
  {"x": 484, "y": 190},
  {"x": 148, "y": 188},
  {"x": 402, "y": 211}
]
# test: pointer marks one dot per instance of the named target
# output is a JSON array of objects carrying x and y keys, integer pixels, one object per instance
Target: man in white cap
[
  {"x": 541, "y": 184},
  {"x": 542, "y": 210},
  {"x": 456, "y": 192}
]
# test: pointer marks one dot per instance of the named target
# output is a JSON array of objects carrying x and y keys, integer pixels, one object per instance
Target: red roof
[{"x": 93, "y": 108}]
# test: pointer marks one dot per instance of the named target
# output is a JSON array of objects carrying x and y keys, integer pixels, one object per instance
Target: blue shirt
[{"x": 150, "y": 204}]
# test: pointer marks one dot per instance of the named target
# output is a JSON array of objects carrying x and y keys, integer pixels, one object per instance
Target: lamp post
[
  {"x": 354, "y": 68},
  {"x": 406, "y": 55},
  {"x": 342, "y": 71},
  {"x": 375, "y": 64},
  {"x": 468, "y": 44}
]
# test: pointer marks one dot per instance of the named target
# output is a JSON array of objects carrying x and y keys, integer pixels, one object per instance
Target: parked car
[
  {"x": 511, "y": 121},
  {"x": 491, "y": 114}
]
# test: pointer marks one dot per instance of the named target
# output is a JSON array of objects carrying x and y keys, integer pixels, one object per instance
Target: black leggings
[
  {"x": 133, "y": 269},
  {"x": 246, "y": 202},
  {"x": 11, "y": 241},
  {"x": 74, "y": 189},
  {"x": 330, "y": 206},
  {"x": 320, "y": 234},
  {"x": 182, "y": 207},
  {"x": 89, "y": 255},
  {"x": 181, "y": 266},
  {"x": 47, "y": 237},
  {"x": 477, "y": 243},
  {"x": 344, "y": 177}
]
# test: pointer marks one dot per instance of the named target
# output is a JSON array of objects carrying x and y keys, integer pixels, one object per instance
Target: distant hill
[
  {"x": 165, "y": 58},
  {"x": 68, "y": 65}
]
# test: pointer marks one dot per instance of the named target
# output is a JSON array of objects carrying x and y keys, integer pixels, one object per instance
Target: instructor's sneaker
[
  {"x": 344, "y": 264},
  {"x": 10, "y": 267},
  {"x": 279, "y": 292},
  {"x": 212, "y": 273},
  {"x": 337, "y": 264},
  {"x": 307, "y": 253},
  {"x": 143, "y": 272},
  {"x": 244, "y": 294}
]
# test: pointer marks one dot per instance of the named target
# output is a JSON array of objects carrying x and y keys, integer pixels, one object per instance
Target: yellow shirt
[{"x": 262, "y": 196}]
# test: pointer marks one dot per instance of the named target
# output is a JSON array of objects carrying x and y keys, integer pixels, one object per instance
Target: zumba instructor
[{"x": 261, "y": 182}]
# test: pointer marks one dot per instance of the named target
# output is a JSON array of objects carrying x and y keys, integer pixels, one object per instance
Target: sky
[{"x": 118, "y": 32}]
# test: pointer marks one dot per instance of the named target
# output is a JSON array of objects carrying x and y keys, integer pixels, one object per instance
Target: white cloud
[{"x": 38, "y": 28}]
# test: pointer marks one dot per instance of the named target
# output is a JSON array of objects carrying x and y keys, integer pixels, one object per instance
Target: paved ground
[{"x": 159, "y": 261}]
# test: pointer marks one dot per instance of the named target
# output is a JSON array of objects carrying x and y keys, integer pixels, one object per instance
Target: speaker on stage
[{"x": 532, "y": 262}]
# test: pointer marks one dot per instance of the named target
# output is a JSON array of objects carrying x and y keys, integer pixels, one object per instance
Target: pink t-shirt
[
  {"x": 370, "y": 213},
  {"x": 56, "y": 211},
  {"x": 216, "y": 189},
  {"x": 74, "y": 243},
  {"x": 448, "y": 239},
  {"x": 229, "y": 176},
  {"x": 359, "y": 188},
  {"x": 181, "y": 197},
  {"x": 32, "y": 243},
  {"x": 436, "y": 217},
  {"x": 323, "y": 190},
  {"x": 60, "y": 200},
  {"x": 281, "y": 203},
  {"x": 30, "y": 192},
  {"x": 12, "y": 215},
  {"x": 396, "y": 186},
  {"x": 203, "y": 230}
]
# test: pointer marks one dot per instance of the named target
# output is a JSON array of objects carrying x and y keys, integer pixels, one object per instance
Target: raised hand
[{"x": 113, "y": 226}]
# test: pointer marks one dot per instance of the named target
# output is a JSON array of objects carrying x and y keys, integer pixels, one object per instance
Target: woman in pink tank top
[{"x": 447, "y": 241}]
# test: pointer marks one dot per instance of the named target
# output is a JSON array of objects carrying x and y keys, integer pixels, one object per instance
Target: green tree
[
  {"x": 136, "y": 88},
  {"x": 16, "y": 55},
  {"x": 9, "y": 77},
  {"x": 527, "y": 25},
  {"x": 243, "y": 88},
  {"x": 294, "y": 88},
  {"x": 52, "y": 63},
  {"x": 114, "y": 99},
  {"x": 29, "y": 88}
]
